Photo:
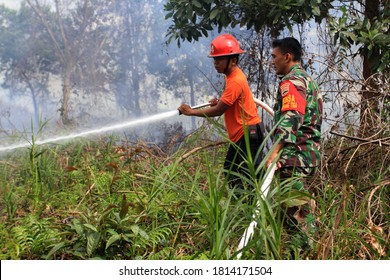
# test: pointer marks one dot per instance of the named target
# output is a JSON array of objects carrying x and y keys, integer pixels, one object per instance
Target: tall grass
[{"x": 116, "y": 200}]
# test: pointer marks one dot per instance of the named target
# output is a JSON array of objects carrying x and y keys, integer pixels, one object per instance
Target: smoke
[
  {"x": 12, "y": 4},
  {"x": 134, "y": 76}
]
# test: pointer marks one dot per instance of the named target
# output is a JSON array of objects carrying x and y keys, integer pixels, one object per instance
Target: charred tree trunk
[
  {"x": 370, "y": 103},
  {"x": 35, "y": 105},
  {"x": 66, "y": 91},
  {"x": 33, "y": 98},
  {"x": 129, "y": 78},
  {"x": 123, "y": 93},
  {"x": 135, "y": 83}
]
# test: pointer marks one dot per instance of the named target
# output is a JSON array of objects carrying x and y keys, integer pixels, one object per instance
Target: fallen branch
[
  {"x": 380, "y": 142},
  {"x": 382, "y": 183},
  {"x": 186, "y": 155}
]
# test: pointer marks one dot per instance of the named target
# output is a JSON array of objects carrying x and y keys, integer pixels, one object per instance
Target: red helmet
[{"x": 224, "y": 45}]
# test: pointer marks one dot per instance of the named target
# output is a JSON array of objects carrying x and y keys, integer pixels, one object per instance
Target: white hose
[
  {"x": 264, "y": 106},
  {"x": 200, "y": 105},
  {"x": 248, "y": 233}
]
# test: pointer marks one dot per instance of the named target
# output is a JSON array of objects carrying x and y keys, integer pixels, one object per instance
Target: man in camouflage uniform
[{"x": 298, "y": 117}]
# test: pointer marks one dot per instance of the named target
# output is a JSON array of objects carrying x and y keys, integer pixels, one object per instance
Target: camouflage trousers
[{"x": 298, "y": 215}]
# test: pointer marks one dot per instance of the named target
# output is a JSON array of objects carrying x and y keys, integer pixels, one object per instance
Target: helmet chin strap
[{"x": 227, "y": 65}]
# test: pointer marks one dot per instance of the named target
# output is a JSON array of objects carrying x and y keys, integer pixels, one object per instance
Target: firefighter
[
  {"x": 298, "y": 118},
  {"x": 237, "y": 106}
]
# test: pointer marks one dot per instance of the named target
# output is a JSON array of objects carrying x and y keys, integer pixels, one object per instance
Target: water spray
[{"x": 101, "y": 130}]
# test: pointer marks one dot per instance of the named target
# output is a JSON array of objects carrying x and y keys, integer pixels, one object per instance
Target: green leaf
[
  {"x": 193, "y": 18},
  {"x": 351, "y": 35},
  {"x": 214, "y": 13},
  {"x": 112, "y": 240},
  {"x": 316, "y": 11},
  {"x": 276, "y": 17},
  {"x": 90, "y": 227},
  {"x": 135, "y": 229},
  {"x": 196, "y": 4},
  {"x": 93, "y": 239},
  {"x": 307, "y": 11},
  {"x": 295, "y": 202},
  {"x": 55, "y": 249},
  {"x": 78, "y": 226},
  {"x": 143, "y": 234},
  {"x": 38, "y": 154},
  {"x": 169, "y": 15},
  {"x": 127, "y": 237},
  {"x": 295, "y": 198}
]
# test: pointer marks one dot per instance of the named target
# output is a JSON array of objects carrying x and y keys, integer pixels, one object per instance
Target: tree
[
  {"x": 362, "y": 27},
  {"x": 133, "y": 40},
  {"x": 77, "y": 33},
  {"x": 26, "y": 62},
  {"x": 193, "y": 19}
]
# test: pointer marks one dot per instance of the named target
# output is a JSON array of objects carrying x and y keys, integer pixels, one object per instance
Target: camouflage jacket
[{"x": 298, "y": 116}]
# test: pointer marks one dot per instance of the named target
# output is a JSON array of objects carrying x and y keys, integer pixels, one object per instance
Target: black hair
[{"x": 289, "y": 45}]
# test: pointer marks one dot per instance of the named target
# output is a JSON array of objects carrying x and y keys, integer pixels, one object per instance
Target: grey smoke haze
[
  {"x": 163, "y": 84},
  {"x": 14, "y": 4},
  {"x": 165, "y": 77}
]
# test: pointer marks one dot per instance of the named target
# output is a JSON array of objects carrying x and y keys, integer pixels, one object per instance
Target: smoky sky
[{"x": 166, "y": 76}]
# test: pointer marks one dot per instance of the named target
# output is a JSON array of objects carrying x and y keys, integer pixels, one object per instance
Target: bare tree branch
[{"x": 380, "y": 142}]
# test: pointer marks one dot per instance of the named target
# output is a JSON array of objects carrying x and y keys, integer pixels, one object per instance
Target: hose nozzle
[{"x": 198, "y": 106}]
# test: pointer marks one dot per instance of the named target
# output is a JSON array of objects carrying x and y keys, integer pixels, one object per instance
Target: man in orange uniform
[{"x": 237, "y": 106}]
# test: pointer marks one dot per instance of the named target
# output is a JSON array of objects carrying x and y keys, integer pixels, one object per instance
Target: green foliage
[
  {"x": 349, "y": 229},
  {"x": 33, "y": 236},
  {"x": 371, "y": 36},
  {"x": 220, "y": 217},
  {"x": 109, "y": 235},
  {"x": 23, "y": 44},
  {"x": 170, "y": 207},
  {"x": 193, "y": 19},
  {"x": 9, "y": 199},
  {"x": 352, "y": 23}
]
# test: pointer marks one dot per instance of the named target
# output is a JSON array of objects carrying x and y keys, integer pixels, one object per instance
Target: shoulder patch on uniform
[
  {"x": 284, "y": 87},
  {"x": 292, "y": 100}
]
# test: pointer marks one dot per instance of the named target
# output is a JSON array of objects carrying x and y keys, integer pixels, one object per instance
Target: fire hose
[
  {"x": 257, "y": 101},
  {"x": 248, "y": 233},
  {"x": 198, "y": 106}
]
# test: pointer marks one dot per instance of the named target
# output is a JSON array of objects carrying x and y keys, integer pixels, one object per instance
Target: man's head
[
  {"x": 225, "y": 50},
  {"x": 285, "y": 53},
  {"x": 225, "y": 64}
]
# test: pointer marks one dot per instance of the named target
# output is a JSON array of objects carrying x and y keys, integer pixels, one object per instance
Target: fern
[
  {"x": 153, "y": 238},
  {"x": 34, "y": 237}
]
